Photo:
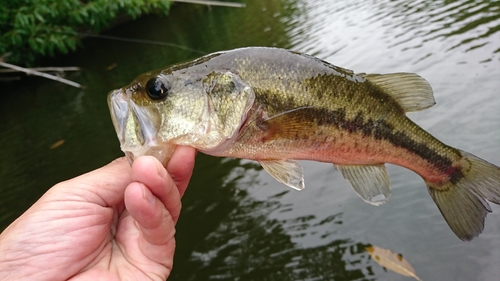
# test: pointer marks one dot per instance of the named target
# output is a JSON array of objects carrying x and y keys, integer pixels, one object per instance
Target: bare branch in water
[
  {"x": 38, "y": 73},
  {"x": 44, "y": 69}
]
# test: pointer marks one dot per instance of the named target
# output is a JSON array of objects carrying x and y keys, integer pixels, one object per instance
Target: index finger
[{"x": 180, "y": 167}]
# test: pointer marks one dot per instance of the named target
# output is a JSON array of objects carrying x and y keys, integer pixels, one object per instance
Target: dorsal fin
[{"x": 410, "y": 90}]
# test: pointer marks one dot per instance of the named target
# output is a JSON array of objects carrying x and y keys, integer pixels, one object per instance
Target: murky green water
[{"x": 237, "y": 222}]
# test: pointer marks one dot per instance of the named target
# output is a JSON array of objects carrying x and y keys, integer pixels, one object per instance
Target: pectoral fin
[
  {"x": 288, "y": 172},
  {"x": 370, "y": 182},
  {"x": 290, "y": 124}
]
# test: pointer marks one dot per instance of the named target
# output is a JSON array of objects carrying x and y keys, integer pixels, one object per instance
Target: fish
[{"x": 277, "y": 106}]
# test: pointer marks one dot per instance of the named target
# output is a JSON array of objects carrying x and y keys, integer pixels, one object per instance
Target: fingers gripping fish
[{"x": 276, "y": 107}]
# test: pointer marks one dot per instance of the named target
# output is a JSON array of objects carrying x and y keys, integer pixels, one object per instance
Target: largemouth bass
[{"x": 277, "y": 106}]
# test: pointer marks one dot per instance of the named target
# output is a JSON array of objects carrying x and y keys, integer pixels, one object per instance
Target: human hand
[{"x": 114, "y": 223}]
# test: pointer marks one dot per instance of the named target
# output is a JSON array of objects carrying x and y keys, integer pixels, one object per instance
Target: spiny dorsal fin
[
  {"x": 289, "y": 172},
  {"x": 411, "y": 91},
  {"x": 370, "y": 182}
]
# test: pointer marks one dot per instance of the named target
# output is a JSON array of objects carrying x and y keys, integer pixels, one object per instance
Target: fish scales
[
  {"x": 276, "y": 106},
  {"x": 354, "y": 106}
]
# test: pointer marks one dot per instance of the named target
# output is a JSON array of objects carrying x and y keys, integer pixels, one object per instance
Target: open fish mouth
[{"x": 137, "y": 128}]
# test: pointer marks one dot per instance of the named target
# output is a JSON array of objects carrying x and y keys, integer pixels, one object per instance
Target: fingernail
[{"x": 146, "y": 194}]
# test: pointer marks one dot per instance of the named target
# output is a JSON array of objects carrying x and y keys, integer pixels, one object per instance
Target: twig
[
  {"x": 37, "y": 73},
  {"x": 214, "y": 3},
  {"x": 141, "y": 41},
  {"x": 44, "y": 69}
]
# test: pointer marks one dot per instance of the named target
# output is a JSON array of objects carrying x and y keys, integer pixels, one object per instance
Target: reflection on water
[
  {"x": 243, "y": 243},
  {"x": 238, "y": 223}
]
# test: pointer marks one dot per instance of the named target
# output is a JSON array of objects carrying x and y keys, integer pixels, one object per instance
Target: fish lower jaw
[{"x": 162, "y": 153}]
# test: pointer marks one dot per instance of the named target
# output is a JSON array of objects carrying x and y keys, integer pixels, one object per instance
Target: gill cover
[
  {"x": 158, "y": 112},
  {"x": 229, "y": 100}
]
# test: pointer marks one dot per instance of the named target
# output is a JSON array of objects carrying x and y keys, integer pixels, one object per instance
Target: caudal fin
[{"x": 462, "y": 200}]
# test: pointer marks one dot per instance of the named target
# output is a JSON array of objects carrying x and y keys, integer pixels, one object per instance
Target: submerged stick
[{"x": 38, "y": 73}]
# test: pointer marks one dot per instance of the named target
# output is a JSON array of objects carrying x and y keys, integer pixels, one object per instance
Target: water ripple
[{"x": 469, "y": 26}]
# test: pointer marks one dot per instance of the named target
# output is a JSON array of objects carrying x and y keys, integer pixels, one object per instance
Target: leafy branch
[{"x": 31, "y": 29}]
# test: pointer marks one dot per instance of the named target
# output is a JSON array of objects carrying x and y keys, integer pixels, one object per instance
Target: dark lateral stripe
[{"x": 382, "y": 130}]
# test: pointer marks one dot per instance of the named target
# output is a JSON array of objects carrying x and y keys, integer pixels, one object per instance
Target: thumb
[{"x": 104, "y": 186}]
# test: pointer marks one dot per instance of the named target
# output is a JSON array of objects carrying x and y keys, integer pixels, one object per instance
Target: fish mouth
[{"x": 137, "y": 128}]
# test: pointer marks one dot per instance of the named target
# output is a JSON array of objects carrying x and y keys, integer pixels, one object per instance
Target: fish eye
[{"x": 157, "y": 89}]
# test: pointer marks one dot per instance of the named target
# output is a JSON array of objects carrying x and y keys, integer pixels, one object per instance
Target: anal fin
[
  {"x": 288, "y": 172},
  {"x": 370, "y": 182}
]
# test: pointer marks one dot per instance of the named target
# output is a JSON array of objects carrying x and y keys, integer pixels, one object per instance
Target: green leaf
[
  {"x": 32, "y": 43},
  {"x": 39, "y": 17}
]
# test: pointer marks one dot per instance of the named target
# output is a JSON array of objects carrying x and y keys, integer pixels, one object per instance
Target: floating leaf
[
  {"x": 392, "y": 261},
  {"x": 113, "y": 65},
  {"x": 57, "y": 143}
]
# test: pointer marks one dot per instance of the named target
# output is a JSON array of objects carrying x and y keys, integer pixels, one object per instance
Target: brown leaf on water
[
  {"x": 57, "y": 144},
  {"x": 111, "y": 66},
  {"x": 392, "y": 261}
]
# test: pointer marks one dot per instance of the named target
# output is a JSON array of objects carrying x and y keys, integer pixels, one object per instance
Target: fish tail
[{"x": 462, "y": 198}]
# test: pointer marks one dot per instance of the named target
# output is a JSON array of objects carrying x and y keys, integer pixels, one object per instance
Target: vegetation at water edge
[{"x": 31, "y": 29}]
